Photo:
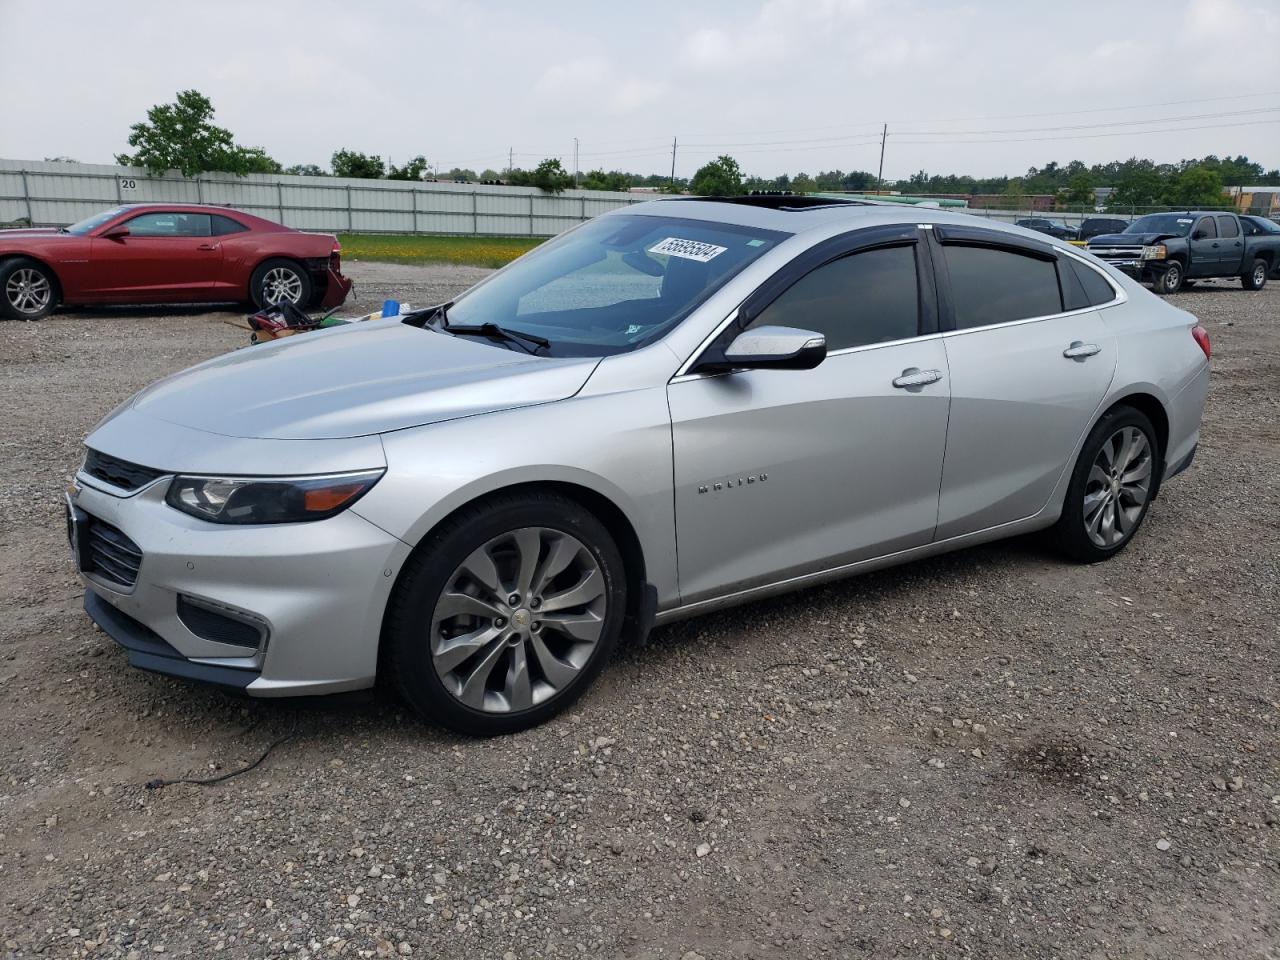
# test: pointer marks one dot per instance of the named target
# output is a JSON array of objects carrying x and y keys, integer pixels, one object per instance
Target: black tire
[
  {"x": 278, "y": 277},
  {"x": 1170, "y": 281},
  {"x": 23, "y": 283},
  {"x": 408, "y": 660},
  {"x": 1255, "y": 278},
  {"x": 1070, "y": 533}
]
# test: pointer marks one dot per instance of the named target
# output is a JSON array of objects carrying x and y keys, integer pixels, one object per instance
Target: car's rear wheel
[
  {"x": 278, "y": 281},
  {"x": 505, "y": 615},
  {"x": 1255, "y": 278},
  {"x": 1111, "y": 486},
  {"x": 28, "y": 290},
  {"x": 1171, "y": 280}
]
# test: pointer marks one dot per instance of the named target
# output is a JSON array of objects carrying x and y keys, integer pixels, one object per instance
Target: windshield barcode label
[{"x": 687, "y": 249}]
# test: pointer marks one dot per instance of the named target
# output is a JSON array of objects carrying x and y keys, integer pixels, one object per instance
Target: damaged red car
[{"x": 168, "y": 253}]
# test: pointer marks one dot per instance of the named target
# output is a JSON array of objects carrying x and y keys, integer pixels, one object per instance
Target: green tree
[
  {"x": 550, "y": 177},
  {"x": 1079, "y": 190},
  {"x": 413, "y": 170},
  {"x": 599, "y": 180},
  {"x": 803, "y": 183},
  {"x": 182, "y": 136},
  {"x": 352, "y": 163},
  {"x": 1195, "y": 187},
  {"x": 464, "y": 175},
  {"x": 488, "y": 175},
  {"x": 305, "y": 170},
  {"x": 722, "y": 177}
]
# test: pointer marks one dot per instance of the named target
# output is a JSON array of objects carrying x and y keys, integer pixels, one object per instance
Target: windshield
[
  {"x": 613, "y": 284},
  {"x": 1173, "y": 223},
  {"x": 97, "y": 220}
]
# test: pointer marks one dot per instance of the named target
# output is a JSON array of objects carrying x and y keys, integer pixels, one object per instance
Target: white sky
[{"x": 783, "y": 85}]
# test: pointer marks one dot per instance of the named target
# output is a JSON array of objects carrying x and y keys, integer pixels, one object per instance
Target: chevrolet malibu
[{"x": 672, "y": 408}]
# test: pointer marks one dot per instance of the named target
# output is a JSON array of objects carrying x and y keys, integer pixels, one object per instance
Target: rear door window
[
  {"x": 1097, "y": 290},
  {"x": 1227, "y": 227},
  {"x": 994, "y": 285},
  {"x": 868, "y": 297}
]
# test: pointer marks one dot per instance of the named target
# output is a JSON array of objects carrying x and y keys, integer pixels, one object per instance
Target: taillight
[{"x": 1202, "y": 338}]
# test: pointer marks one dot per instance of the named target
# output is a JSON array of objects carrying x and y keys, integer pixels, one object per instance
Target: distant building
[{"x": 1263, "y": 201}]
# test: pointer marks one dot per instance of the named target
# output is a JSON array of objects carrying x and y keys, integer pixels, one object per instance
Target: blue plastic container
[{"x": 391, "y": 308}]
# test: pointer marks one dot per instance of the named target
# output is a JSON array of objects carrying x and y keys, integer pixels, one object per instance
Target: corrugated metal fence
[{"x": 54, "y": 194}]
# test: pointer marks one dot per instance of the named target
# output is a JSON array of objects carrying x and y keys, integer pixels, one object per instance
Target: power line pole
[
  {"x": 884, "y": 134},
  {"x": 575, "y": 161},
  {"x": 511, "y": 156},
  {"x": 673, "y": 163}
]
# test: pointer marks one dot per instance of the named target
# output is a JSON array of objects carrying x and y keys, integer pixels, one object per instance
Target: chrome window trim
[{"x": 682, "y": 374}]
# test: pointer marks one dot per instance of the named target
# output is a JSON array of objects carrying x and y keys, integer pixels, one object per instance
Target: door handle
[
  {"x": 915, "y": 377},
  {"x": 207, "y": 246},
  {"x": 1081, "y": 351}
]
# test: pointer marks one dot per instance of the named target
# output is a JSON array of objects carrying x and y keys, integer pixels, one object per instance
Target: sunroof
[{"x": 783, "y": 201}]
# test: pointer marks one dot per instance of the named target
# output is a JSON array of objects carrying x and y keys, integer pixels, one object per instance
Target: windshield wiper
[{"x": 498, "y": 333}]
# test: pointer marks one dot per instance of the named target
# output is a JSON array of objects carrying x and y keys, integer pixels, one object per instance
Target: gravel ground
[{"x": 990, "y": 754}]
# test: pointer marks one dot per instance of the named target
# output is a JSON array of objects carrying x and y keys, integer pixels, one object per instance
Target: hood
[
  {"x": 17, "y": 233},
  {"x": 1130, "y": 239},
  {"x": 355, "y": 381}
]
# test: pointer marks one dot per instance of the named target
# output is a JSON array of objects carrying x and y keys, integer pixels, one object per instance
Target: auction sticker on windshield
[{"x": 687, "y": 249}]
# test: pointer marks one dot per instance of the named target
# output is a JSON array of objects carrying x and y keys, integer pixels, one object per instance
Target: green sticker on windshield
[{"x": 755, "y": 243}]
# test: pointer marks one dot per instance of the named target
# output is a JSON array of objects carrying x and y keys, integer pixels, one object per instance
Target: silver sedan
[{"x": 672, "y": 408}]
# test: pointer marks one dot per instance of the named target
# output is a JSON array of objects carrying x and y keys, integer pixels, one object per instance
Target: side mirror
[
  {"x": 116, "y": 233},
  {"x": 769, "y": 348}
]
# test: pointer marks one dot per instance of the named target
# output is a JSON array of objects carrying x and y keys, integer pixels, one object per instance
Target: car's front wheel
[
  {"x": 1111, "y": 486},
  {"x": 28, "y": 291},
  {"x": 505, "y": 614},
  {"x": 1171, "y": 280},
  {"x": 280, "y": 281}
]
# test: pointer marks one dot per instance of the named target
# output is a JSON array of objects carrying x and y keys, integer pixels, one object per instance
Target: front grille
[
  {"x": 1116, "y": 253},
  {"x": 110, "y": 554},
  {"x": 119, "y": 473}
]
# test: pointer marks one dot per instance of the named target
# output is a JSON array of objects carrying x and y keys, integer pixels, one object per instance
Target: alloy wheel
[
  {"x": 281, "y": 284},
  {"x": 518, "y": 620},
  {"x": 1118, "y": 487},
  {"x": 1259, "y": 275},
  {"x": 28, "y": 291}
]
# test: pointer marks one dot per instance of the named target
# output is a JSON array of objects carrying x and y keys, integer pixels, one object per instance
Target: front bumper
[{"x": 310, "y": 595}]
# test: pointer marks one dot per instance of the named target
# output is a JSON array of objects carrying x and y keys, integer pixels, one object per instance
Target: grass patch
[{"x": 465, "y": 251}]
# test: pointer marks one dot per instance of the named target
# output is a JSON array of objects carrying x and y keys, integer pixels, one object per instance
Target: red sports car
[{"x": 167, "y": 253}]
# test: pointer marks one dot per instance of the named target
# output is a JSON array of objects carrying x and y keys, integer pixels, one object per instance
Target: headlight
[
  {"x": 1158, "y": 252},
  {"x": 268, "y": 499}
]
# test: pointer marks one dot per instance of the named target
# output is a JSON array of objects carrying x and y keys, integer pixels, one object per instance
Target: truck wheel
[
  {"x": 1171, "y": 280},
  {"x": 1256, "y": 277}
]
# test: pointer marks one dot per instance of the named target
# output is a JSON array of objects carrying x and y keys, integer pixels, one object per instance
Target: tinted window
[
  {"x": 867, "y": 297},
  {"x": 1097, "y": 290},
  {"x": 169, "y": 225},
  {"x": 996, "y": 286},
  {"x": 1206, "y": 229},
  {"x": 1256, "y": 225},
  {"x": 1227, "y": 227},
  {"x": 224, "y": 225}
]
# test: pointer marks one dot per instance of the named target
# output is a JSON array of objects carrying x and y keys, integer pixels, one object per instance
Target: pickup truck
[{"x": 1169, "y": 249}]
